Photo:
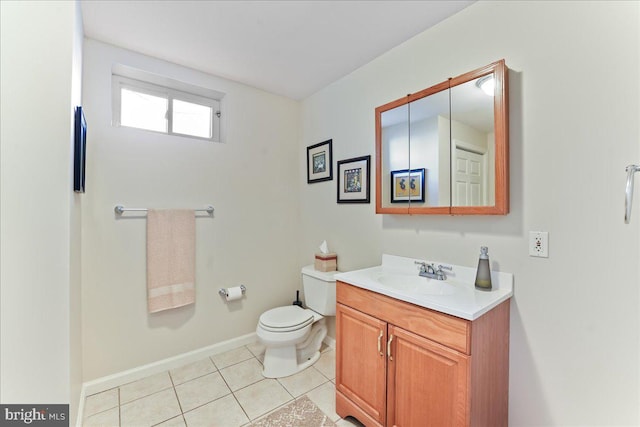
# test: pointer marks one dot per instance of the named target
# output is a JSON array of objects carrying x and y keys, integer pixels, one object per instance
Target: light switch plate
[{"x": 539, "y": 244}]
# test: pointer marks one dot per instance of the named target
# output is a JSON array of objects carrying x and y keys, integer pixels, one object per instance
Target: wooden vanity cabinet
[
  {"x": 398, "y": 364},
  {"x": 361, "y": 373}
]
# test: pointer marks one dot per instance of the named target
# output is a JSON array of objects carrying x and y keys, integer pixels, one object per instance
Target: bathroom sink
[
  {"x": 416, "y": 284},
  {"x": 397, "y": 277}
]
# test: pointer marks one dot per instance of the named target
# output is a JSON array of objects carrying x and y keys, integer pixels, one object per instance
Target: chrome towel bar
[
  {"x": 628, "y": 200},
  {"x": 119, "y": 210}
]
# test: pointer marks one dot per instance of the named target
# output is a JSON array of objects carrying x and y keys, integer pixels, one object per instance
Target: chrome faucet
[{"x": 429, "y": 270}]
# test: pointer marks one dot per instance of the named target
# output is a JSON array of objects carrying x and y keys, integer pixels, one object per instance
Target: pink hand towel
[{"x": 171, "y": 248}]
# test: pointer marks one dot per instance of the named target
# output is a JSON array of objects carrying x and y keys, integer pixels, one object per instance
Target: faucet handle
[
  {"x": 423, "y": 265},
  {"x": 440, "y": 274}
]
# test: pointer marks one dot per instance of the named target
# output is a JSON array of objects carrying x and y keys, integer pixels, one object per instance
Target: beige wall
[
  {"x": 251, "y": 240},
  {"x": 575, "y": 323},
  {"x": 40, "y": 348}
]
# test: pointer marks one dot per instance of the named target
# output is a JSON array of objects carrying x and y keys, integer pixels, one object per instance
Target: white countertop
[{"x": 456, "y": 296}]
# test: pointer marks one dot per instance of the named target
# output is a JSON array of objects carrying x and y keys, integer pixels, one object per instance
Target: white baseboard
[
  {"x": 120, "y": 378},
  {"x": 80, "y": 413}
]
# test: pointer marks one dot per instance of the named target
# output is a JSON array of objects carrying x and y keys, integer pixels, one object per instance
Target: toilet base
[{"x": 283, "y": 361}]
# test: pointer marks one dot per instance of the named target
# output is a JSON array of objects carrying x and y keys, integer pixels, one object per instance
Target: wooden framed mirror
[{"x": 445, "y": 150}]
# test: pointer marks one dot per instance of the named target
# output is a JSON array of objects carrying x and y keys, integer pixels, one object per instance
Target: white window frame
[{"x": 120, "y": 82}]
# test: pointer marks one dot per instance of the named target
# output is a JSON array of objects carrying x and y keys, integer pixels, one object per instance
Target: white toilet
[{"x": 292, "y": 335}]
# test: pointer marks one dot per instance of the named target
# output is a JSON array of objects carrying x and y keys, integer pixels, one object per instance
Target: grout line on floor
[
  {"x": 241, "y": 407},
  {"x": 141, "y": 397},
  {"x": 214, "y": 363},
  {"x": 206, "y": 403},
  {"x": 175, "y": 392},
  {"x": 119, "y": 408}
]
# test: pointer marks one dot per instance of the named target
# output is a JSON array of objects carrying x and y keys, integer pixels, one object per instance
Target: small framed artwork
[
  {"x": 319, "y": 162},
  {"x": 354, "y": 180},
  {"x": 407, "y": 185},
  {"x": 80, "y": 151}
]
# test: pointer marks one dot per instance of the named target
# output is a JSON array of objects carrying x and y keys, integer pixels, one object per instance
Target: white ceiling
[{"x": 291, "y": 48}]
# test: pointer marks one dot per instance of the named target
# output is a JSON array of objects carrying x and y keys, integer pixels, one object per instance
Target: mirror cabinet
[{"x": 445, "y": 150}]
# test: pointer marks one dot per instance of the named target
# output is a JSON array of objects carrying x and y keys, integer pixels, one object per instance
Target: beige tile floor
[{"x": 224, "y": 390}]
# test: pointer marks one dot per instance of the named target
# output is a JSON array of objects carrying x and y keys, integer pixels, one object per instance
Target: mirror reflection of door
[
  {"x": 472, "y": 146},
  {"x": 469, "y": 175}
]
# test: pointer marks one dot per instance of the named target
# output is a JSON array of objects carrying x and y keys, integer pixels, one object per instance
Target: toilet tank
[{"x": 319, "y": 290}]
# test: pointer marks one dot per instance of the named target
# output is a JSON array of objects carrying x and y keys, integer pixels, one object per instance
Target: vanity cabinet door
[
  {"x": 427, "y": 382},
  {"x": 361, "y": 361}
]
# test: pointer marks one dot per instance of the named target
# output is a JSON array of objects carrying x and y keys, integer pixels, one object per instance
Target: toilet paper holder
[{"x": 223, "y": 291}]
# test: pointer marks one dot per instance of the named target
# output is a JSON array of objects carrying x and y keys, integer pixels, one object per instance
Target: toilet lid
[{"x": 287, "y": 318}]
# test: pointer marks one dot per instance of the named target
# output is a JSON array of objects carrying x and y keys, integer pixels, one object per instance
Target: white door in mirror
[{"x": 539, "y": 244}]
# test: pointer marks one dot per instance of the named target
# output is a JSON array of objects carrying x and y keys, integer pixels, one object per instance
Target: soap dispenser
[{"x": 483, "y": 275}]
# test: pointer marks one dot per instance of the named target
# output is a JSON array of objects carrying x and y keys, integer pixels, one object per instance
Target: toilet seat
[{"x": 286, "y": 319}]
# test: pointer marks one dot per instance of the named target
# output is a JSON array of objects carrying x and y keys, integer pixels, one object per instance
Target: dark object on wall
[
  {"x": 354, "y": 180},
  {"x": 297, "y": 301},
  {"x": 80, "y": 151},
  {"x": 407, "y": 185},
  {"x": 319, "y": 162}
]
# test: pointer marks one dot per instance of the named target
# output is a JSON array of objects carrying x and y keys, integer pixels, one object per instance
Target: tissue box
[{"x": 326, "y": 262}]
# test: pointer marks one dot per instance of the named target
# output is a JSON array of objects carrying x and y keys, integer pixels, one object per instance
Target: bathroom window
[{"x": 169, "y": 109}]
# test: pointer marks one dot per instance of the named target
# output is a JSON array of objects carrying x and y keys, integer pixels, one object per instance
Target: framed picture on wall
[
  {"x": 354, "y": 179},
  {"x": 79, "y": 151},
  {"x": 407, "y": 185},
  {"x": 319, "y": 162}
]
